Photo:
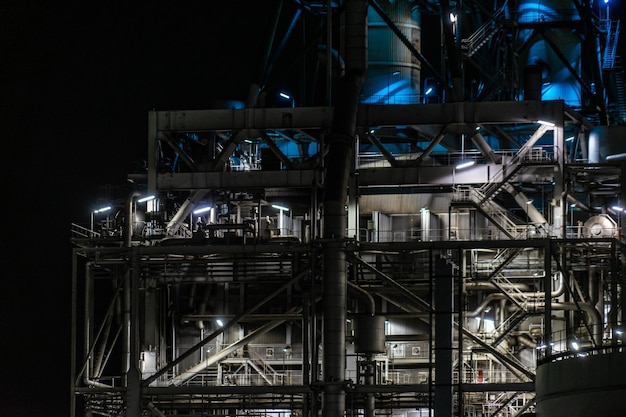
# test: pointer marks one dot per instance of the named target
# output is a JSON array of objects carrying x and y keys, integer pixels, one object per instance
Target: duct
[
  {"x": 489, "y": 286},
  {"x": 364, "y": 296},
  {"x": 183, "y": 212},
  {"x": 526, "y": 340},
  {"x": 593, "y": 317},
  {"x": 556, "y": 292},
  {"x": 571, "y": 199}
]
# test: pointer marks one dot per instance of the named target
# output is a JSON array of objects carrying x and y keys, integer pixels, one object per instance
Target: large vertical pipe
[
  {"x": 444, "y": 347},
  {"x": 338, "y": 166}
]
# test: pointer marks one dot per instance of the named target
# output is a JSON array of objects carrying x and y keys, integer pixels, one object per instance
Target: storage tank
[
  {"x": 582, "y": 386},
  {"x": 545, "y": 75},
  {"x": 393, "y": 74}
]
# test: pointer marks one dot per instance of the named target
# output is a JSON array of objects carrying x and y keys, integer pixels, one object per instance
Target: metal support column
[{"x": 444, "y": 328}]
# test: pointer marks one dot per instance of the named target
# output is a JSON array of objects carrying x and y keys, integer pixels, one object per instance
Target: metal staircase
[
  {"x": 483, "y": 34},
  {"x": 497, "y": 215},
  {"x": 611, "y": 27}
]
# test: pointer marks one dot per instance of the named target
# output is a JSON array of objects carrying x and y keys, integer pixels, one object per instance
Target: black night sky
[{"x": 76, "y": 84}]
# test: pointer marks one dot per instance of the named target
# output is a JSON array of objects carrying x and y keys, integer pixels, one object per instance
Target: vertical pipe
[
  {"x": 547, "y": 285},
  {"x": 133, "y": 376},
  {"x": 338, "y": 165},
  {"x": 444, "y": 347}
]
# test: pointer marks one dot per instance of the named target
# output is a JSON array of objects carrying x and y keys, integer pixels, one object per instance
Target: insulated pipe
[
  {"x": 338, "y": 165},
  {"x": 593, "y": 316},
  {"x": 365, "y": 297},
  {"x": 128, "y": 221},
  {"x": 558, "y": 291}
]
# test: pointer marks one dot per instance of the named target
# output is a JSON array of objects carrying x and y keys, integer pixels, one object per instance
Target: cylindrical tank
[
  {"x": 600, "y": 226},
  {"x": 369, "y": 334},
  {"x": 393, "y": 74},
  {"x": 606, "y": 144},
  {"x": 557, "y": 82},
  {"x": 593, "y": 385}
]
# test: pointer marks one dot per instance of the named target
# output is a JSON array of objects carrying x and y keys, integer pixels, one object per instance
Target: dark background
[{"x": 76, "y": 85}]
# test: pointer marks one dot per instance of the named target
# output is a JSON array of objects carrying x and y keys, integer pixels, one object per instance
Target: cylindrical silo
[
  {"x": 393, "y": 74},
  {"x": 543, "y": 57},
  {"x": 586, "y": 385}
]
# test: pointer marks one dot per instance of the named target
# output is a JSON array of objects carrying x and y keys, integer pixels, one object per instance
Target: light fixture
[
  {"x": 202, "y": 210},
  {"x": 146, "y": 198},
  {"x": 284, "y": 95},
  {"x": 546, "y": 123},
  {"x": 619, "y": 331},
  {"x": 571, "y": 138},
  {"x": 618, "y": 208},
  {"x": 281, "y": 208},
  {"x": 465, "y": 164},
  {"x": 428, "y": 91},
  {"x": 219, "y": 322},
  {"x": 91, "y": 218},
  {"x": 102, "y": 210},
  {"x": 574, "y": 345}
]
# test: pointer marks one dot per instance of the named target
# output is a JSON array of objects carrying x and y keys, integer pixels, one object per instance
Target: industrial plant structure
[{"x": 428, "y": 223}]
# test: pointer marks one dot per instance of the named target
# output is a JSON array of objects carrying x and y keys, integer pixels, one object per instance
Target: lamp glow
[
  {"x": 430, "y": 90},
  {"x": 102, "y": 210},
  {"x": 618, "y": 208},
  {"x": 281, "y": 208},
  {"x": 202, "y": 210},
  {"x": 146, "y": 198},
  {"x": 219, "y": 322},
  {"x": 465, "y": 164},
  {"x": 284, "y": 95}
]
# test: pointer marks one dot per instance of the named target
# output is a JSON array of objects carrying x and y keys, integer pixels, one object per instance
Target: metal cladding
[{"x": 393, "y": 74}]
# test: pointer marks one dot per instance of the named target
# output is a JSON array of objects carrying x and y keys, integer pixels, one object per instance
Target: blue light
[
  {"x": 284, "y": 95},
  {"x": 430, "y": 90}
]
